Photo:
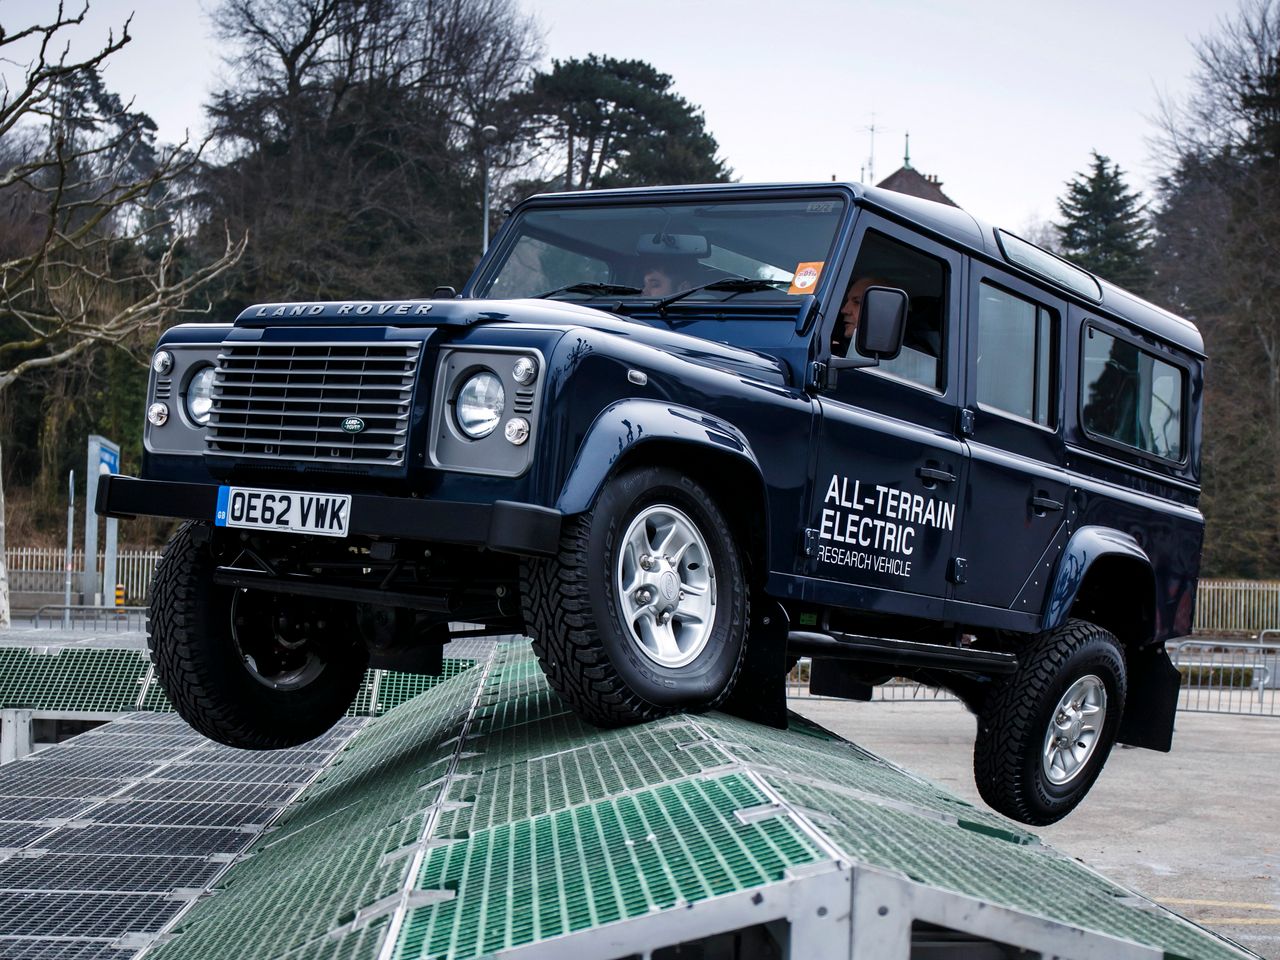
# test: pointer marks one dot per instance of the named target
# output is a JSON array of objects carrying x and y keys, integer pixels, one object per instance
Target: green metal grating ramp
[{"x": 482, "y": 818}]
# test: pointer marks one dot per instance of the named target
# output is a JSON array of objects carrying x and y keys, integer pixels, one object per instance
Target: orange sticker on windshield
[{"x": 806, "y": 278}]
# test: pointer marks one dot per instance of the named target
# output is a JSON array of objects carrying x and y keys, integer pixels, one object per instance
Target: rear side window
[
  {"x": 1016, "y": 347},
  {"x": 1131, "y": 396}
]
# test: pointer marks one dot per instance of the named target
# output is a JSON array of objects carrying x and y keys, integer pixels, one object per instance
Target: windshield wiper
[
  {"x": 591, "y": 289},
  {"x": 732, "y": 284}
]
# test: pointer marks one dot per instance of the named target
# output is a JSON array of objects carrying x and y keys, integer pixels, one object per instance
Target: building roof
[{"x": 907, "y": 179}]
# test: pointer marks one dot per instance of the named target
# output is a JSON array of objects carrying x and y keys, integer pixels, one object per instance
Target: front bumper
[{"x": 503, "y": 525}]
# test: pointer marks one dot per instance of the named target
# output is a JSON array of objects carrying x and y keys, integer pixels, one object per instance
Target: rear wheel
[
  {"x": 247, "y": 668},
  {"x": 1045, "y": 733},
  {"x": 645, "y": 609}
]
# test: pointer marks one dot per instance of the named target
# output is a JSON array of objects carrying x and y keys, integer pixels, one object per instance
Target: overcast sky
[{"x": 1003, "y": 100}]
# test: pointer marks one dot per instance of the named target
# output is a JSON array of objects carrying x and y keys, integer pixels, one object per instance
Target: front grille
[{"x": 288, "y": 401}]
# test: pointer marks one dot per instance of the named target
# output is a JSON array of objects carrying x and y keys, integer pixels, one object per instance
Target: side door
[
  {"x": 888, "y": 466},
  {"x": 1017, "y": 499}
]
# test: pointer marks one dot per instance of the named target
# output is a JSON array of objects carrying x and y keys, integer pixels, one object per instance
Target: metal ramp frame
[{"x": 482, "y": 819}]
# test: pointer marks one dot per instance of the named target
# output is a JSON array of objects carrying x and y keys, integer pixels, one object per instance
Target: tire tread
[
  {"x": 1007, "y": 725},
  {"x": 184, "y": 655},
  {"x": 557, "y": 611}
]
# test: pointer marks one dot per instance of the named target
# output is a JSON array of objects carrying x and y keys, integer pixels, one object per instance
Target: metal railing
[
  {"x": 83, "y": 617},
  {"x": 1226, "y": 677},
  {"x": 1217, "y": 677},
  {"x": 1222, "y": 606},
  {"x": 43, "y": 570},
  {"x": 1233, "y": 606}
]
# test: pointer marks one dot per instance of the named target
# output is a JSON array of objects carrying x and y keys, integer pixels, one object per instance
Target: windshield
[{"x": 638, "y": 251}]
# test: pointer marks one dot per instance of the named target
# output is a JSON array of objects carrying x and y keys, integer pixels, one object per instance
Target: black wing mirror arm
[{"x": 831, "y": 373}]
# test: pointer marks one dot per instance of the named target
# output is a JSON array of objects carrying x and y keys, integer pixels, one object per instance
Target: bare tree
[
  {"x": 99, "y": 217},
  {"x": 349, "y": 139}
]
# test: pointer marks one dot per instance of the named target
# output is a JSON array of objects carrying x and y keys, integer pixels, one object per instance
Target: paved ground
[{"x": 1197, "y": 829}]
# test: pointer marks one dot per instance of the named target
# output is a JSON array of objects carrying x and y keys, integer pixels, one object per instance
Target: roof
[{"x": 944, "y": 220}]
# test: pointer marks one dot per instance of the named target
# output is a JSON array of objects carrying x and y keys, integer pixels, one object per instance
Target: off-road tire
[
  {"x": 200, "y": 670},
  {"x": 1007, "y": 752},
  {"x": 570, "y": 610}
]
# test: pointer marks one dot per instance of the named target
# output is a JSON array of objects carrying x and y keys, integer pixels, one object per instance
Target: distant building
[{"x": 907, "y": 179}]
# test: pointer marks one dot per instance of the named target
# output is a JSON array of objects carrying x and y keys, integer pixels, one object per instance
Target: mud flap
[
  {"x": 838, "y": 678},
  {"x": 760, "y": 695},
  {"x": 1152, "y": 700}
]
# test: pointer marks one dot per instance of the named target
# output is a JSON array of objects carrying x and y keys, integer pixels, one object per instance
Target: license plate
[{"x": 285, "y": 511}]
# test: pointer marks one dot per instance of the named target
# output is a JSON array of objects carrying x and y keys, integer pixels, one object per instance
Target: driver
[
  {"x": 663, "y": 278},
  {"x": 851, "y": 312}
]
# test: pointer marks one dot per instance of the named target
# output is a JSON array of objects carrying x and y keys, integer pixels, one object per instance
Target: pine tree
[
  {"x": 1104, "y": 225},
  {"x": 618, "y": 123}
]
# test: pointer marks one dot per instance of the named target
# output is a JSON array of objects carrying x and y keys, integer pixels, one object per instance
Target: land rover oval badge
[{"x": 353, "y": 424}]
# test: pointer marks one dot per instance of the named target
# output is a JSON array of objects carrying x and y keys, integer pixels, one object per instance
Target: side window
[
  {"x": 1131, "y": 396},
  {"x": 887, "y": 263},
  {"x": 1016, "y": 346}
]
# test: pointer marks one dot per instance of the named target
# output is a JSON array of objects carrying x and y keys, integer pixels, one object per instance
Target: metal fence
[
  {"x": 1217, "y": 677},
  {"x": 86, "y": 617},
  {"x": 1237, "y": 606},
  {"x": 43, "y": 570},
  {"x": 1224, "y": 677},
  {"x": 1222, "y": 606}
]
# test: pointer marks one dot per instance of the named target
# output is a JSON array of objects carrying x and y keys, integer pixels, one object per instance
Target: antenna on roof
[
  {"x": 906, "y": 151},
  {"x": 871, "y": 157}
]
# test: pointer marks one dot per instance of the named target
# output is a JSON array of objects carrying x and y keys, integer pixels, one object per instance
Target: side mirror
[
  {"x": 882, "y": 325},
  {"x": 443, "y": 293}
]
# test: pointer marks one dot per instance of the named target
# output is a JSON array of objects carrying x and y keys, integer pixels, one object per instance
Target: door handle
[
  {"x": 934, "y": 473},
  {"x": 1043, "y": 504}
]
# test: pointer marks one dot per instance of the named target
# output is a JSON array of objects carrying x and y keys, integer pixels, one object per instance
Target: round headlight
[
  {"x": 480, "y": 404},
  {"x": 200, "y": 396},
  {"x": 162, "y": 362}
]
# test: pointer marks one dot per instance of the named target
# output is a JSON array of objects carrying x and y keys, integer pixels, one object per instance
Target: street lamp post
[{"x": 487, "y": 134}]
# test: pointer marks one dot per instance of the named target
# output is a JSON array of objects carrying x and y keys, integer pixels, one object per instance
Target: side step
[{"x": 900, "y": 653}]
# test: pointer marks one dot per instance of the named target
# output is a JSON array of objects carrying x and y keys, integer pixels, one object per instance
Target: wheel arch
[
  {"x": 1106, "y": 578},
  {"x": 706, "y": 448}
]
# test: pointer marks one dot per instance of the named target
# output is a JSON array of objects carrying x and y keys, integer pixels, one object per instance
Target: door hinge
[
  {"x": 959, "y": 572},
  {"x": 810, "y": 541},
  {"x": 966, "y": 422},
  {"x": 817, "y": 374}
]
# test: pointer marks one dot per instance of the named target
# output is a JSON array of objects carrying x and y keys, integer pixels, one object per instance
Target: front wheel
[
  {"x": 249, "y": 669},
  {"x": 1045, "y": 733},
  {"x": 645, "y": 609}
]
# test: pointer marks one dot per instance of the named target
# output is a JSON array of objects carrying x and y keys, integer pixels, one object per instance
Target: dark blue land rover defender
[{"x": 680, "y": 437}]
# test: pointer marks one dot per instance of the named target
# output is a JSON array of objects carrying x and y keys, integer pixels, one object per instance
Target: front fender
[
  {"x": 1086, "y": 546},
  {"x": 625, "y": 426}
]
